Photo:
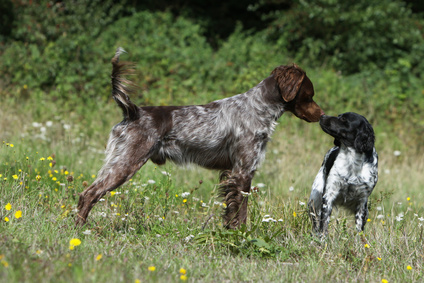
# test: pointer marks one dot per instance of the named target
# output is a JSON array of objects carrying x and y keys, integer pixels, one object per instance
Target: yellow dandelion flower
[
  {"x": 137, "y": 281},
  {"x": 99, "y": 257},
  {"x": 15, "y": 177},
  {"x": 66, "y": 172},
  {"x": 183, "y": 271},
  {"x": 384, "y": 281},
  {"x": 6, "y": 219},
  {"x": 73, "y": 243},
  {"x": 151, "y": 268},
  {"x": 5, "y": 179},
  {"x": 8, "y": 206},
  {"x": 184, "y": 200},
  {"x": 42, "y": 159},
  {"x": 368, "y": 220},
  {"x": 18, "y": 214},
  {"x": 54, "y": 179},
  {"x": 38, "y": 178},
  {"x": 5, "y": 263},
  {"x": 50, "y": 164},
  {"x": 50, "y": 158},
  {"x": 294, "y": 214},
  {"x": 39, "y": 252},
  {"x": 379, "y": 258},
  {"x": 367, "y": 246},
  {"x": 57, "y": 172},
  {"x": 1, "y": 175},
  {"x": 112, "y": 193},
  {"x": 11, "y": 145},
  {"x": 224, "y": 205},
  {"x": 93, "y": 176},
  {"x": 175, "y": 195},
  {"x": 183, "y": 277},
  {"x": 408, "y": 198},
  {"x": 409, "y": 267}
]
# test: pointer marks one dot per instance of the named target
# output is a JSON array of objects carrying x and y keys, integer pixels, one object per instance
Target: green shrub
[{"x": 352, "y": 36}]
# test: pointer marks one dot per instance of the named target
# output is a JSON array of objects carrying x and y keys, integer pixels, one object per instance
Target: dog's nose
[{"x": 322, "y": 113}]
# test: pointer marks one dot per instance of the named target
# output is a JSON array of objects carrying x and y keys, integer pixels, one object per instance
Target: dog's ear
[
  {"x": 365, "y": 139},
  {"x": 289, "y": 80}
]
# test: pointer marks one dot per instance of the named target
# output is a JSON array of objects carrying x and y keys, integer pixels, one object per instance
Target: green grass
[{"x": 150, "y": 224}]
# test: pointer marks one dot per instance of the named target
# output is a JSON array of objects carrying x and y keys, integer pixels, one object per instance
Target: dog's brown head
[{"x": 297, "y": 92}]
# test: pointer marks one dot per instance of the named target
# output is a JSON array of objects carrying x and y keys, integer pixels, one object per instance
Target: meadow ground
[{"x": 164, "y": 225}]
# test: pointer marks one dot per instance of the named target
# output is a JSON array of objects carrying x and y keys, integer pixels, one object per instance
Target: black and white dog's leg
[
  {"x": 315, "y": 200},
  {"x": 327, "y": 206},
  {"x": 361, "y": 215}
]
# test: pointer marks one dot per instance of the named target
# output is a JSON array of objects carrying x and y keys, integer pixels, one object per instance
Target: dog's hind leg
[
  {"x": 235, "y": 189},
  {"x": 122, "y": 162}
]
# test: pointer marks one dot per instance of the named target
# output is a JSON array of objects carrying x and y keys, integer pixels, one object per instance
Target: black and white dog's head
[{"x": 350, "y": 129}]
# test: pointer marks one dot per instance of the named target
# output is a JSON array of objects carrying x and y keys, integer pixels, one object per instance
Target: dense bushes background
[{"x": 362, "y": 56}]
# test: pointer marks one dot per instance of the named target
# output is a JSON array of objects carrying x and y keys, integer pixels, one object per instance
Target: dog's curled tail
[{"x": 122, "y": 87}]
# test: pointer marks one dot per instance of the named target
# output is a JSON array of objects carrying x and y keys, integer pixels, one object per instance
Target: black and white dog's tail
[{"x": 122, "y": 87}]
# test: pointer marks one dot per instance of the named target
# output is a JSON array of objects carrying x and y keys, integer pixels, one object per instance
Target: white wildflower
[
  {"x": 397, "y": 153},
  {"x": 49, "y": 123},
  {"x": 379, "y": 208},
  {"x": 185, "y": 194},
  {"x": 399, "y": 217},
  {"x": 380, "y": 216},
  {"x": 188, "y": 238},
  {"x": 421, "y": 219},
  {"x": 268, "y": 218},
  {"x": 36, "y": 125},
  {"x": 151, "y": 182},
  {"x": 87, "y": 232},
  {"x": 291, "y": 189},
  {"x": 260, "y": 185},
  {"x": 301, "y": 203},
  {"x": 166, "y": 173},
  {"x": 66, "y": 126}
]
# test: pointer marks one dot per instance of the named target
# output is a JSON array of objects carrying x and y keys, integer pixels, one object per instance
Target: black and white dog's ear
[{"x": 365, "y": 139}]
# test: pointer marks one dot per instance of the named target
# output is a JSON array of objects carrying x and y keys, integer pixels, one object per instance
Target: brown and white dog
[{"x": 228, "y": 135}]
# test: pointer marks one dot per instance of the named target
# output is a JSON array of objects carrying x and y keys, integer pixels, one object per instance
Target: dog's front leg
[
  {"x": 235, "y": 188},
  {"x": 330, "y": 195},
  {"x": 361, "y": 215}
]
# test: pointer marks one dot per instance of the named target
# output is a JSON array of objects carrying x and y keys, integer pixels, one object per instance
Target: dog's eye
[{"x": 342, "y": 119}]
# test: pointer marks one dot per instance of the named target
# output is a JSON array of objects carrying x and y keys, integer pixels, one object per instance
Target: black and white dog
[{"x": 349, "y": 171}]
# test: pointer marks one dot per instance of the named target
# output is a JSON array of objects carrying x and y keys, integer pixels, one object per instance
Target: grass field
[{"x": 164, "y": 225}]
